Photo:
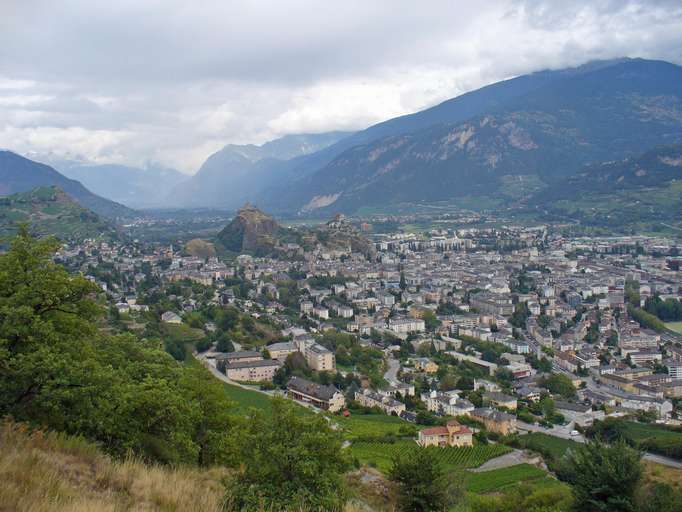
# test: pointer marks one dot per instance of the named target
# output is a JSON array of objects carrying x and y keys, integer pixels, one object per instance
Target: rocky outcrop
[{"x": 251, "y": 231}]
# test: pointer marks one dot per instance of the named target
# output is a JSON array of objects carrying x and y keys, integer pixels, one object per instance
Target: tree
[
  {"x": 58, "y": 370},
  {"x": 559, "y": 384},
  {"x": 604, "y": 478},
  {"x": 423, "y": 483},
  {"x": 292, "y": 462},
  {"x": 431, "y": 322}
]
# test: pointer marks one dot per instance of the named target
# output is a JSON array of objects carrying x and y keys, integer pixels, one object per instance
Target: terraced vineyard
[{"x": 381, "y": 455}]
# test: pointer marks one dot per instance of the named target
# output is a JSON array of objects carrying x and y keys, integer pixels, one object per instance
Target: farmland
[
  {"x": 497, "y": 479},
  {"x": 372, "y": 425},
  {"x": 381, "y": 455}
]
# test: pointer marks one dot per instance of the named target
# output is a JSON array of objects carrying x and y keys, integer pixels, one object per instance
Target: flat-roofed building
[{"x": 319, "y": 358}]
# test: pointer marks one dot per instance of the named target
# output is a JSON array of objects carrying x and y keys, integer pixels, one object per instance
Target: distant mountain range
[
  {"x": 131, "y": 186},
  {"x": 236, "y": 173},
  {"x": 19, "y": 174},
  {"x": 506, "y": 140},
  {"x": 560, "y": 122},
  {"x": 50, "y": 211},
  {"x": 509, "y": 142}
]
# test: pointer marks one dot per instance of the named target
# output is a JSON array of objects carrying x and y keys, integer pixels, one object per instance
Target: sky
[{"x": 169, "y": 82}]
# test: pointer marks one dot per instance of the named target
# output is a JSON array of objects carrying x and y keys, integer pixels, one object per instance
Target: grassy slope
[
  {"x": 47, "y": 472},
  {"x": 674, "y": 326}
]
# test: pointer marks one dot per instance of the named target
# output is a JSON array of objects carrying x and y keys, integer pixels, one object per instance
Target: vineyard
[
  {"x": 496, "y": 479},
  {"x": 380, "y": 455}
]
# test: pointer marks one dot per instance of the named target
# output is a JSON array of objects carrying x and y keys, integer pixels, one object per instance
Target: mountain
[
  {"x": 19, "y": 174},
  {"x": 237, "y": 173},
  {"x": 50, "y": 211},
  {"x": 131, "y": 186},
  {"x": 250, "y": 231},
  {"x": 544, "y": 127},
  {"x": 287, "y": 147}
]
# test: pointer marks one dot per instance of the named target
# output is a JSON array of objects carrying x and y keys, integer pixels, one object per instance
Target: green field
[
  {"x": 539, "y": 442},
  {"x": 246, "y": 399},
  {"x": 497, "y": 479},
  {"x": 380, "y": 455},
  {"x": 374, "y": 425},
  {"x": 674, "y": 326}
]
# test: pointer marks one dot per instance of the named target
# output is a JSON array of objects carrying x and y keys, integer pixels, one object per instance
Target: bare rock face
[{"x": 250, "y": 231}]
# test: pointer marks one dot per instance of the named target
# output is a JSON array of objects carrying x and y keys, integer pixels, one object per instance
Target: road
[{"x": 564, "y": 432}]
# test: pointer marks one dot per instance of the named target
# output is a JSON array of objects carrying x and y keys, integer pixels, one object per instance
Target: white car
[{"x": 575, "y": 433}]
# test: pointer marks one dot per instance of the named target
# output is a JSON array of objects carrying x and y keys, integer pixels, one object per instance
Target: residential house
[
  {"x": 452, "y": 434},
  {"x": 495, "y": 421},
  {"x": 389, "y": 405}
]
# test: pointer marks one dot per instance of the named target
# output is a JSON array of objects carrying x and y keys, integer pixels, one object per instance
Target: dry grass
[
  {"x": 51, "y": 472},
  {"x": 654, "y": 473}
]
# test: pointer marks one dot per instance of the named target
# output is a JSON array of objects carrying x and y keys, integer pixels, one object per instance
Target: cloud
[{"x": 171, "y": 81}]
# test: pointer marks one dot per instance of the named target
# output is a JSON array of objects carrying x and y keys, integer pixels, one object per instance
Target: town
[{"x": 469, "y": 333}]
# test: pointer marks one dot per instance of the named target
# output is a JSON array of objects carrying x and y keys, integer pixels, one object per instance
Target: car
[{"x": 575, "y": 433}]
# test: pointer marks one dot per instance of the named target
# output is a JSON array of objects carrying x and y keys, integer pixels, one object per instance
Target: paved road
[{"x": 391, "y": 374}]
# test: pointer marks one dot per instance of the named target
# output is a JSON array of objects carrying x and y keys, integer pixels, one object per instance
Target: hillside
[
  {"x": 50, "y": 211},
  {"x": 655, "y": 168},
  {"x": 51, "y": 472},
  {"x": 598, "y": 113},
  {"x": 131, "y": 186},
  {"x": 638, "y": 193},
  {"x": 19, "y": 174}
]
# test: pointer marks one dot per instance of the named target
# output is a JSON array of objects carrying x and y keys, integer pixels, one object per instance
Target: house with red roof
[{"x": 452, "y": 434}]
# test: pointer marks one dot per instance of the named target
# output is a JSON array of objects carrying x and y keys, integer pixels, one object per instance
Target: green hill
[
  {"x": 50, "y": 211},
  {"x": 19, "y": 174}
]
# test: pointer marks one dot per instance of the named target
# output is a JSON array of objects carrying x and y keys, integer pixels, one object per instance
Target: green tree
[
  {"x": 292, "y": 462},
  {"x": 559, "y": 384},
  {"x": 424, "y": 485},
  {"x": 604, "y": 477},
  {"x": 431, "y": 322},
  {"x": 58, "y": 370}
]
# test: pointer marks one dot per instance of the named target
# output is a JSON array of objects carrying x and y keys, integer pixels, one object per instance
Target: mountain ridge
[{"x": 612, "y": 111}]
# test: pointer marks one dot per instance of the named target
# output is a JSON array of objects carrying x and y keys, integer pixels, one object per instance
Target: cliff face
[{"x": 250, "y": 231}]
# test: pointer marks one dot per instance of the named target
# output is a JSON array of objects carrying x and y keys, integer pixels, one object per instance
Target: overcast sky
[{"x": 171, "y": 81}]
